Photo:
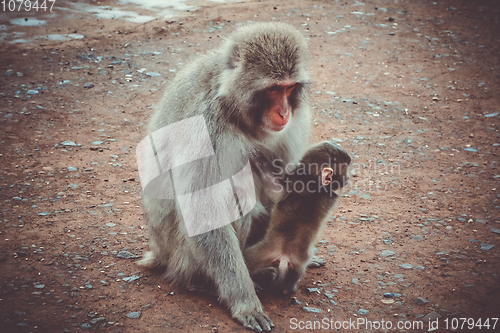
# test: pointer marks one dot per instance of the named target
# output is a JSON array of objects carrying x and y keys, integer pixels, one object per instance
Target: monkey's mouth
[
  {"x": 274, "y": 128},
  {"x": 271, "y": 126},
  {"x": 277, "y": 128}
]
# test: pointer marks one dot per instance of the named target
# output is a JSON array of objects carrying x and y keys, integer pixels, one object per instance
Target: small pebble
[
  {"x": 486, "y": 247},
  {"x": 126, "y": 255},
  {"x": 312, "y": 290},
  {"x": 386, "y": 253},
  {"x": 68, "y": 143},
  {"x": 96, "y": 320},
  {"x": 431, "y": 316},
  {"x": 362, "y": 312},
  {"x": 85, "y": 326},
  {"x": 134, "y": 315},
  {"x": 131, "y": 278},
  {"x": 318, "y": 262},
  {"x": 311, "y": 310},
  {"x": 421, "y": 301}
]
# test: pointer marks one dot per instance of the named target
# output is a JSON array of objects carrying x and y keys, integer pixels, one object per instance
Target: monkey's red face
[{"x": 279, "y": 108}]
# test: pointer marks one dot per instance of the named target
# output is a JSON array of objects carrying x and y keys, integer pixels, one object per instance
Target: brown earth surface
[{"x": 409, "y": 88}]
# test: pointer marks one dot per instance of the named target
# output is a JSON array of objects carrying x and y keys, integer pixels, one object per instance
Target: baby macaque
[{"x": 279, "y": 260}]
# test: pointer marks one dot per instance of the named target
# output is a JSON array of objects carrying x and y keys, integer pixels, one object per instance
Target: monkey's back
[{"x": 190, "y": 93}]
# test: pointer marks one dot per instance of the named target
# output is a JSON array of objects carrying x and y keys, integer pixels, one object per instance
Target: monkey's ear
[
  {"x": 235, "y": 56},
  {"x": 326, "y": 176}
]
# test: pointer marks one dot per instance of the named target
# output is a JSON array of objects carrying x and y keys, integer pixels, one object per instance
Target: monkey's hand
[
  {"x": 252, "y": 316},
  {"x": 257, "y": 287}
]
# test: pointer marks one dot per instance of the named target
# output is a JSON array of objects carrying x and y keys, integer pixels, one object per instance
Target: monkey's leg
[{"x": 222, "y": 261}]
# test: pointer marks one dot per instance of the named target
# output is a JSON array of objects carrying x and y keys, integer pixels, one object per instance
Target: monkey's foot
[
  {"x": 316, "y": 262},
  {"x": 148, "y": 260},
  {"x": 255, "y": 320}
]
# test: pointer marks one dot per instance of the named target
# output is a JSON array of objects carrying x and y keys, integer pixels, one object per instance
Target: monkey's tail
[{"x": 148, "y": 260}]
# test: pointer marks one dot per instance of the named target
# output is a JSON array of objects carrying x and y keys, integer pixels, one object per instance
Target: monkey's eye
[
  {"x": 275, "y": 263},
  {"x": 289, "y": 89},
  {"x": 273, "y": 88}
]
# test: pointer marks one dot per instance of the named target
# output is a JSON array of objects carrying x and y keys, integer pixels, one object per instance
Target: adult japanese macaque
[
  {"x": 252, "y": 96},
  {"x": 279, "y": 260}
]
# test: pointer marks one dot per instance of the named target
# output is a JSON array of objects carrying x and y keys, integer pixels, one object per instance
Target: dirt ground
[{"x": 409, "y": 88}]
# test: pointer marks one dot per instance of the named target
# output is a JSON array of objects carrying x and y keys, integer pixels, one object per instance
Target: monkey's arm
[
  {"x": 216, "y": 244},
  {"x": 223, "y": 262}
]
